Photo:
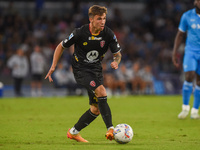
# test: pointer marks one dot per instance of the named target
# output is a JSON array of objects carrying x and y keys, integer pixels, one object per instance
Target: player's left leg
[
  {"x": 195, "y": 109},
  {"x": 105, "y": 111}
]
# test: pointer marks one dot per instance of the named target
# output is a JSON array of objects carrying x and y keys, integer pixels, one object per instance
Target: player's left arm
[
  {"x": 116, "y": 60},
  {"x": 115, "y": 49}
]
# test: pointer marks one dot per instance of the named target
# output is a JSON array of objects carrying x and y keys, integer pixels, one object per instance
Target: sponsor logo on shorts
[{"x": 92, "y": 83}]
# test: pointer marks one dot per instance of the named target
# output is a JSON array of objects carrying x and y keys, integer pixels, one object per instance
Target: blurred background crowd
[{"x": 145, "y": 29}]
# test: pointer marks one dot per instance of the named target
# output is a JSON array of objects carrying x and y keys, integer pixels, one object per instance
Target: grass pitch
[{"x": 42, "y": 124}]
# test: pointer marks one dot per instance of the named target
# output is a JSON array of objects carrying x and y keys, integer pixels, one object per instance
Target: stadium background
[{"x": 145, "y": 29}]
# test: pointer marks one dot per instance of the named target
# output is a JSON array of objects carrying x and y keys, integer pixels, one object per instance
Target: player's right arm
[
  {"x": 57, "y": 54},
  {"x": 183, "y": 26},
  {"x": 177, "y": 43},
  {"x": 70, "y": 40},
  {"x": 66, "y": 43}
]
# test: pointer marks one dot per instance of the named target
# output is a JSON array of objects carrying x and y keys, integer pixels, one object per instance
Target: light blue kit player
[{"x": 189, "y": 25}]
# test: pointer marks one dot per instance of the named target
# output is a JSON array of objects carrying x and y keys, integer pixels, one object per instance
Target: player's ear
[{"x": 91, "y": 19}]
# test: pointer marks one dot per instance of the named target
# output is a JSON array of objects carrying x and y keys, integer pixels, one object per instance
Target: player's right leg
[
  {"x": 77, "y": 137},
  {"x": 185, "y": 111},
  {"x": 189, "y": 66},
  {"x": 186, "y": 93},
  {"x": 89, "y": 116}
]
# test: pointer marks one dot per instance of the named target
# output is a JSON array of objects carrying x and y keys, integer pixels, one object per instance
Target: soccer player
[
  {"x": 91, "y": 41},
  {"x": 190, "y": 23}
]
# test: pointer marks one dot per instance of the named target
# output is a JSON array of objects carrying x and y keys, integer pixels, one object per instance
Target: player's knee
[
  {"x": 100, "y": 91},
  {"x": 95, "y": 110},
  {"x": 189, "y": 76}
]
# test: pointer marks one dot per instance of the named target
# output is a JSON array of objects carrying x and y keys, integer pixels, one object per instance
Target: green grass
[{"x": 42, "y": 123}]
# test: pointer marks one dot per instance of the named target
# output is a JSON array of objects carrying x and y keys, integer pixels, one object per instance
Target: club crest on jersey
[
  {"x": 92, "y": 83},
  {"x": 102, "y": 43}
]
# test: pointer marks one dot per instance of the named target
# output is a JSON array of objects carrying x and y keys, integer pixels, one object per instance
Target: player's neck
[{"x": 93, "y": 30}]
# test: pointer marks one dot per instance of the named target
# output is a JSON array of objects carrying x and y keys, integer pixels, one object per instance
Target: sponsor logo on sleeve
[
  {"x": 115, "y": 38},
  {"x": 65, "y": 41},
  {"x": 71, "y": 35}
]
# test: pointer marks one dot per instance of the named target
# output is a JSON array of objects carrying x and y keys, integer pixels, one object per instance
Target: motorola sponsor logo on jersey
[{"x": 92, "y": 56}]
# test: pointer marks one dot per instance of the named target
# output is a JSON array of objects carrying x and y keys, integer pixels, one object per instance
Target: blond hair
[{"x": 96, "y": 10}]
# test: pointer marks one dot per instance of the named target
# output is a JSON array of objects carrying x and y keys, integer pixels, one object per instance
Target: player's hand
[
  {"x": 114, "y": 65},
  {"x": 51, "y": 70},
  {"x": 175, "y": 60}
]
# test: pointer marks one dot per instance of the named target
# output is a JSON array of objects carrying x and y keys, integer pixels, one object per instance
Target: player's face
[
  {"x": 197, "y": 5},
  {"x": 98, "y": 22}
]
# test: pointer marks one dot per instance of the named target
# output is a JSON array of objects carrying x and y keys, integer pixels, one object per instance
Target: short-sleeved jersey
[
  {"x": 90, "y": 49},
  {"x": 190, "y": 23}
]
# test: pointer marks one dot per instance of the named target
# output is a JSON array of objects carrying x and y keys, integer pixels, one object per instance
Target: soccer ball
[{"x": 123, "y": 133}]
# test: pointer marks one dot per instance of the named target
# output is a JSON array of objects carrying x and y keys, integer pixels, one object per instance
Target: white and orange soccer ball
[{"x": 123, "y": 133}]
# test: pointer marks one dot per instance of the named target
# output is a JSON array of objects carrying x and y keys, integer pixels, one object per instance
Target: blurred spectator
[
  {"x": 138, "y": 84},
  {"x": 65, "y": 79},
  {"x": 147, "y": 77},
  {"x": 123, "y": 78},
  {"x": 19, "y": 65},
  {"x": 109, "y": 80},
  {"x": 37, "y": 61},
  {"x": 60, "y": 76},
  {"x": 2, "y": 57}
]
